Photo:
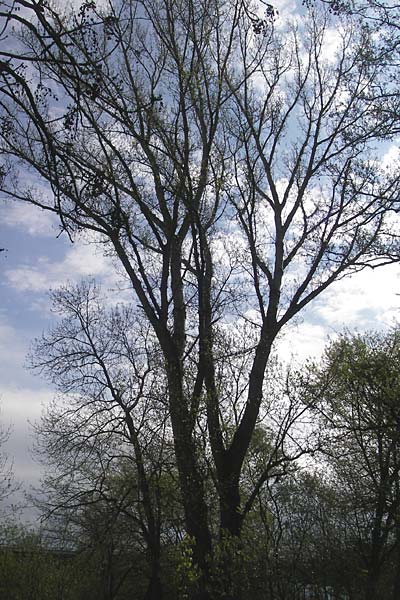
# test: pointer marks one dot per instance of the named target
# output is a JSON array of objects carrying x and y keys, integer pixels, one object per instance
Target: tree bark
[
  {"x": 191, "y": 480},
  {"x": 154, "y": 589}
]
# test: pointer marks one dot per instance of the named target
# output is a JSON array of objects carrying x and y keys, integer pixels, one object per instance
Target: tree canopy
[{"x": 231, "y": 165}]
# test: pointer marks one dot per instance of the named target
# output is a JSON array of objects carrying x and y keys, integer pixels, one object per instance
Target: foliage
[
  {"x": 357, "y": 387},
  {"x": 31, "y": 571}
]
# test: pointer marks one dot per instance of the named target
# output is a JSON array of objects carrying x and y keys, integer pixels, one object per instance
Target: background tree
[
  {"x": 311, "y": 542},
  {"x": 7, "y": 483},
  {"x": 227, "y": 164},
  {"x": 30, "y": 569},
  {"x": 357, "y": 386},
  {"x": 105, "y": 444}
]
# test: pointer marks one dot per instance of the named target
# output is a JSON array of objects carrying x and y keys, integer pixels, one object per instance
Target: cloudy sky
[{"x": 36, "y": 260}]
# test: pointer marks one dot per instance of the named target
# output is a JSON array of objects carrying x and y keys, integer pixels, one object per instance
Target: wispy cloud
[
  {"x": 29, "y": 219},
  {"x": 369, "y": 300},
  {"x": 80, "y": 261}
]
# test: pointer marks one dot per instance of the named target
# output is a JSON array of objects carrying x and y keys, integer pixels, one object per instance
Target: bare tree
[
  {"x": 105, "y": 442},
  {"x": 6, "y": 475},
  {"x": 227, "y": 163}
]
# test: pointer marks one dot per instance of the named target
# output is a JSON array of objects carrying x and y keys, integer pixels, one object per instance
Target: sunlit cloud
[
  {"x": 29, "y": 219},
  {"x": 300, "y": 342},
  {"x": 332, "y": 42},
  {"x": 391, "y": 157},
  {"x": 80, "y": 261},
  {"x": 367, "y": 301}
]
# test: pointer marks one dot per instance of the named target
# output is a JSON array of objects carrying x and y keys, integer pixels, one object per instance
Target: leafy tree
[
  {"x": 311, "y": 543},
  {"x": 357, "y": 386},
  {"x": 227, "y": 164},
  {"x": 31, "y": 569},
  {"x": 104, "y": 443}
]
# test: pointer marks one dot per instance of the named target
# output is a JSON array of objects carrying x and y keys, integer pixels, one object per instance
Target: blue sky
[{"x": 36, "y": 260}]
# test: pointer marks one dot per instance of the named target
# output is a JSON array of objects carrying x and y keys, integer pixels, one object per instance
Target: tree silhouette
[{"x": 229, "y": 167}]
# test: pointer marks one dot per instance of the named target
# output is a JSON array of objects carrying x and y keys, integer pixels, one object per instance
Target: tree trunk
[
  {"x": 374, "y": 571},
  {"x": 108, "y": 572},
  {"x": 377, "y": 544},
  {"x": 372, "y": 585},
  {"x": 154, "y": 589},
  {"x": 231, "y": 518},
  {"x": 191, "y": 480},
  {"x": 396, "y": 580}
]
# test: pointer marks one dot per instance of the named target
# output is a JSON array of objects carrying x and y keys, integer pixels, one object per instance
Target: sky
[{"x": 37, "y": 259}]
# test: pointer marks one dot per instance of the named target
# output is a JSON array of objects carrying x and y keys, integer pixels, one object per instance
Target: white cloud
[
  {"x": 391, "y": 157},
  {"x": 29, "y": 219},
  {"x": 27, "y": 279},
  {"x": 331, "y": 44},
  {"x": 20, "y": 404},
  {"x": 81, "y": 260},
  {"x": 20, "y": 407},
  {"x": 288, "y": 10},
  {"x": 367, "y": 301},
  {"x": 302, "y": 341}
]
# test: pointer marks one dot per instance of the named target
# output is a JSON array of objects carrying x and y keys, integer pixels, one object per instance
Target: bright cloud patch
[
  {"x": 331, "y": 44},
  {"x": 367, "y": 301},
  {"x": 29, "y": 219},
  {"x": 391, "y": 158},
  {"x": 301, "y": 342},
  {"x": 79, "y": 261}
]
